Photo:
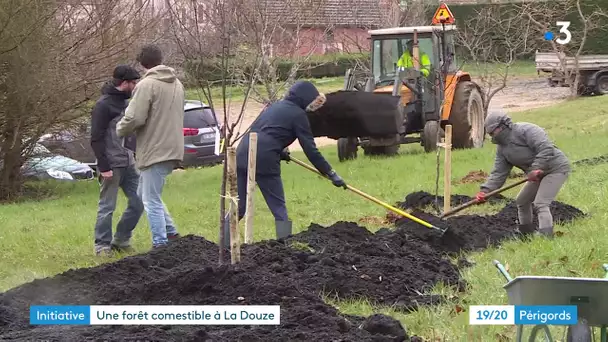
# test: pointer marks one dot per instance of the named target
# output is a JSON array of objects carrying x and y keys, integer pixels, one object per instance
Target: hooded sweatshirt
[
  {"x": 278, "y": 126},
  {"x": 527, "y": 147},
  {"x": 106, "y": 144},
  {"x": 156, "y": 115}
]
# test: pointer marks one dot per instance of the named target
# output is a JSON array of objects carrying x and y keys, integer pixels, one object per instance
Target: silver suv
[
  {"x": 200, "y": 129},
  {"x": 202, "y": 135}
]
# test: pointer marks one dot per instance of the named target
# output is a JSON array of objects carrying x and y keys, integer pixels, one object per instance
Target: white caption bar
[{"x": 185, "y": 315}]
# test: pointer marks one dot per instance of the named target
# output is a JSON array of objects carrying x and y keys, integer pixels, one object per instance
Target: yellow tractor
[{"x": 431, "y": 96}]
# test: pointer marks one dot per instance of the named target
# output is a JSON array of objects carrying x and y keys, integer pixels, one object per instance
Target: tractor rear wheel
[
  {"x": 467, "y": 116},
  {"x": 347, "y": 149}
]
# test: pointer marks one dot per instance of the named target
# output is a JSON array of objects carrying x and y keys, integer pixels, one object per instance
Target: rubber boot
[
  {"x": 526, "y": 229},
  {"x": 546, "y": 232},
  {"x": 283, "y": 229}
]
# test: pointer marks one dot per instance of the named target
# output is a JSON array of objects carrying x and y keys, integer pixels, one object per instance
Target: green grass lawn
[
  {"x": 46, "y": 237},
  {"x": 330, "y": 84}
]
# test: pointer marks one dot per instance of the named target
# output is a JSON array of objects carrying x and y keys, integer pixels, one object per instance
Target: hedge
[
  {"x": 597, "y": 40},
  {"x": 316, "y": 67}
]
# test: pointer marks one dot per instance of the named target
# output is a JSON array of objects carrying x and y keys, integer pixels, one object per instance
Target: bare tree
[
  {"x": 52, "y": 56},
  {"x": 492, "y": 41},
  {"x": 245, "y": 42},
  {"x": 207, "y": 34},
  {"x": 543, "y": 15},
  {"x": 274, "y": 32}
]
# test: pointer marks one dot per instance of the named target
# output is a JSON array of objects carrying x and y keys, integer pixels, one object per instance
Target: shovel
[
  {"x": 474, "y": 201},
  {"x": 375, "y": 200}
]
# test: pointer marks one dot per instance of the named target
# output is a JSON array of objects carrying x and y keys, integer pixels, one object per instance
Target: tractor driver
[{"x": 407, "y": 59}]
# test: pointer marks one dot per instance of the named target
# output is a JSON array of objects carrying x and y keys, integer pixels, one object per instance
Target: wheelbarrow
[{"x": 590, "y": 295}]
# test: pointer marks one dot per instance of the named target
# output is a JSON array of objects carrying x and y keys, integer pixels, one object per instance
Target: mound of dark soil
[
  {"x": 181, "y": 275},
  {"x": 349, "y": 261},
  {"x": 422, "y": 199},
  {"x": 471, "y": 232},
  {"x": 391, "y": 267}
]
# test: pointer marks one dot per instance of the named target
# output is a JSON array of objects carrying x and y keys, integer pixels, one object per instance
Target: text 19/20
[{"x": 492, "y": 314}]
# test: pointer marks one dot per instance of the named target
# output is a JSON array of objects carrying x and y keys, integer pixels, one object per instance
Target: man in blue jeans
[
  {"x": 115, "y": 164},
  {"x": 156, "y": 115}
]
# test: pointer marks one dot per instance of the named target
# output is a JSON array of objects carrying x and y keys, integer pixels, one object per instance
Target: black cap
[{"x": 125, "y": 72}]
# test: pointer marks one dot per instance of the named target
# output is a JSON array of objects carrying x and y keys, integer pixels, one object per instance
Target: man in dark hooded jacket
[
  {"x": 115, "y": 163},
  {"x": 277, "y": 127},
  {"x": 527, "y": 147}
]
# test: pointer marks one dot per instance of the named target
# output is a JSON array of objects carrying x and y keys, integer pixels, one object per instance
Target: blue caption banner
[
  {"x": 546, "y": 314},
  {"x": 60, "y": 314}
]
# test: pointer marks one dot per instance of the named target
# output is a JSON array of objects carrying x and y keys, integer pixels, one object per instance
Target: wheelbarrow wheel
[{"x": 581, "y": 332}]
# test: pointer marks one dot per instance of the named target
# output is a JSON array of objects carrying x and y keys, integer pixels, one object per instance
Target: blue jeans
[
  {"x": 150, "y": 189},
  {"x": 126, "y": 178}
]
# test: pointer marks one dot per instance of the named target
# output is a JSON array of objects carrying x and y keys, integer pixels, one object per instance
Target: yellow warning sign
[{"x": 443, "y": 15}]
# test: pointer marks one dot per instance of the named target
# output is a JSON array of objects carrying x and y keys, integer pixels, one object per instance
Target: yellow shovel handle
[{"x": 369, "y": 197}]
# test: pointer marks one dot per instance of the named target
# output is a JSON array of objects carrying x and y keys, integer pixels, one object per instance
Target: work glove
[
  {"x": 480, "y": 197},
  {"x": 336, "y": 180},
  {"x": 535, "y": 175},
  {"x": 285, "y": 155}
]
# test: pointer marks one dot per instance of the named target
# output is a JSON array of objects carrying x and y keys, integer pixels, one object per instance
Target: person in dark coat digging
[
  {"x": 527, "y": 147},
  {"x": 277, "y": 127}
]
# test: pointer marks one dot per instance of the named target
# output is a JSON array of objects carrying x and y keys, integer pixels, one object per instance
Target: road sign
[{"x": 443, "y": 15}]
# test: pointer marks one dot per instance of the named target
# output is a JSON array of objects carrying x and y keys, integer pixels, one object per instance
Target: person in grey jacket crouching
[{"x": 527, "y": 147}]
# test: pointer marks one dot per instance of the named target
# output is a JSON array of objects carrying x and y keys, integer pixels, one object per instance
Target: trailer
[{"x": 593, "y": 71}]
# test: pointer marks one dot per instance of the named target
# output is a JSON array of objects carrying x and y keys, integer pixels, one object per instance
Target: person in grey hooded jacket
[{"x": 527, "y": 147}]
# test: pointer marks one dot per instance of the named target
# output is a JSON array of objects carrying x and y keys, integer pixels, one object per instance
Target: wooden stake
[
  {"x": 251, "y": 168},
  {"x": 447, "y": 170},
  {"x": 235, "y": 246}
]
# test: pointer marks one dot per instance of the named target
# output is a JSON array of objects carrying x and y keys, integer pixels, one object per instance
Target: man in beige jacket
[{"x": 156, "y": 115}]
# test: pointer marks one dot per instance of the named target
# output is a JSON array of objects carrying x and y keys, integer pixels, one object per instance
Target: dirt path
[{"x": 520, "y": 95}]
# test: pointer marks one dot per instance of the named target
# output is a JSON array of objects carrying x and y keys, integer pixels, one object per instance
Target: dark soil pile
[
  {"x": 471, "y": 232},
  {"x": 180, "y": 275},
  {"x": 391, "y": 267},
  {"x": 356, "y": 113}
]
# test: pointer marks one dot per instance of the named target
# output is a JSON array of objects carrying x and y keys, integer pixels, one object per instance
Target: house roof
[
  {"x": 407, "y": 30},
  {"x": 354, "y": 13}
]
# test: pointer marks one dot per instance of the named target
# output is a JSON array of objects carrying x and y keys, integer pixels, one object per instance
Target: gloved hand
[
  {"x": 336, "y": 180},
  {"x": 535, "y": 175},
  {"x": 480, "y": 197},
  {"x": 285, "y": 155}
]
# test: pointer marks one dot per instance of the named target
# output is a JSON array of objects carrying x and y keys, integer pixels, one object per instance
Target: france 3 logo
[{"x": 563, "y": 31}]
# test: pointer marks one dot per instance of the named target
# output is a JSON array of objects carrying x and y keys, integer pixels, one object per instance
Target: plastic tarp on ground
[{"x": 356, "y": 114}]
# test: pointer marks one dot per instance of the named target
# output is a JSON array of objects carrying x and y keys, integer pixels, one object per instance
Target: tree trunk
[{"x": 10, "y": 172}]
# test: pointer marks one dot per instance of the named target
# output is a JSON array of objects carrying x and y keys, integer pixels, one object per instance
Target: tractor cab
[
  {"x": 413, "y": 76},
  {"x": 392, "y": 52}
]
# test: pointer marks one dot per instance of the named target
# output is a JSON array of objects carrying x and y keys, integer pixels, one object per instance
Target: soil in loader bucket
[
  {"x": 356, "y": 114},
  {"x": 349, "y": 114}
]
